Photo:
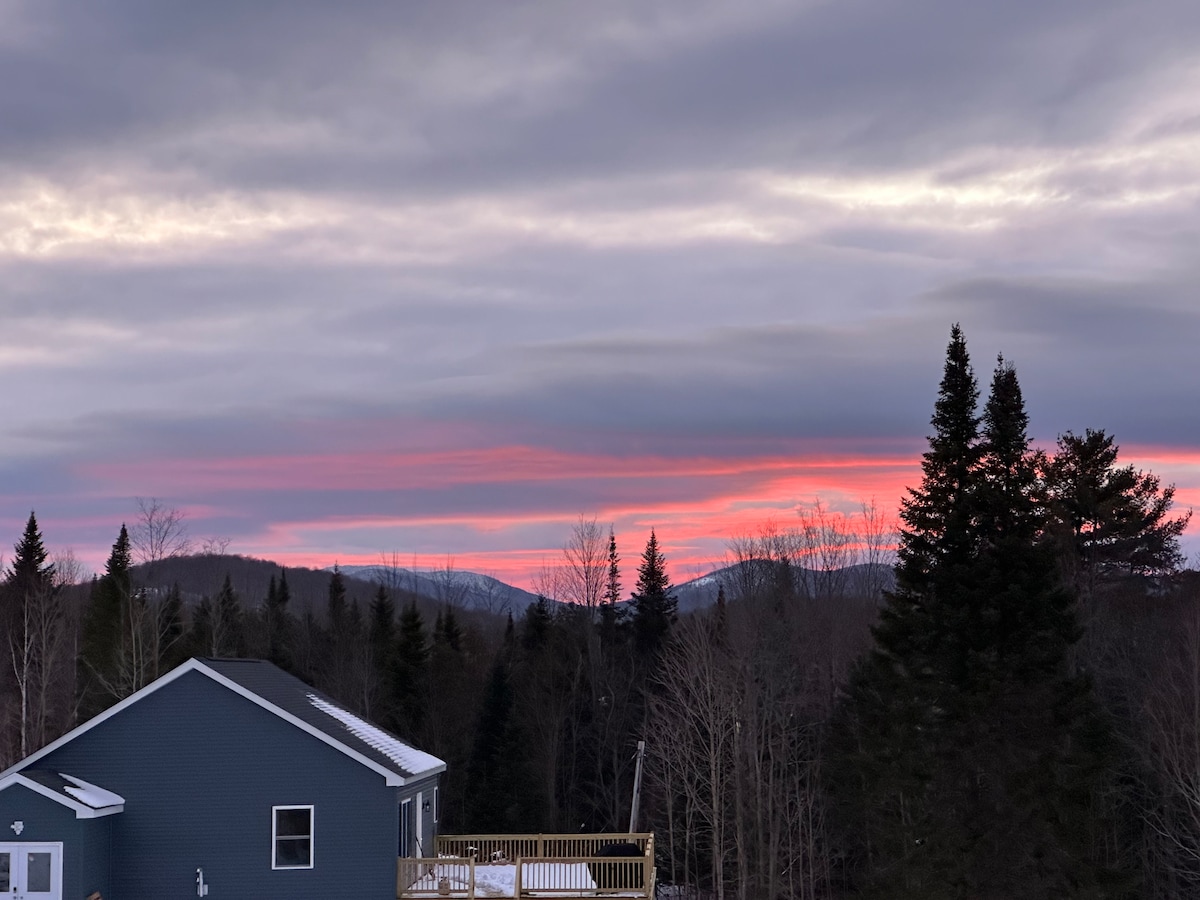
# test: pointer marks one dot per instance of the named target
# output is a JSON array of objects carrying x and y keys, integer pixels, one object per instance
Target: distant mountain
[
  {"x": 469, "y": 590},
  {"x": 862, "y": 580},
  {"x": 201, "y": 576}
]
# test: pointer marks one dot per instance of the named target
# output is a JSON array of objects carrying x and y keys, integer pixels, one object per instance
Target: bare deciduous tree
[
  {"x": 452, "y": 586},
  {"x": 159, "y": 532},
  {"x": 585, "y": 564},
  {"x": 1172, "y": 711}
]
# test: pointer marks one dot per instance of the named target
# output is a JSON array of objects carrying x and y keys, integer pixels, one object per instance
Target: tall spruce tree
[
  {"x": 104, "y": 625},
  {"x": 966, "y": 753},
  {"x": 279, "y": 624},
  {"x": 654, "y": 605},
  {"x": 884, "y": 752},
  {"x": 410, "y": 674},
  {"x": 31, "y": 625}
]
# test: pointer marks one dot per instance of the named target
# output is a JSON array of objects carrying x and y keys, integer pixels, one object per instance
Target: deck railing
[
  {"x": 440, "y": 877},
  {"x": 529, "y": 865},
  {"x": 489, "y": 847}
]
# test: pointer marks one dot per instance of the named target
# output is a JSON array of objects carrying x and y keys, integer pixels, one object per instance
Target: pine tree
[
  {"x": 381, "y": 638},
  {"x": 612, "y": 590},
  {"x": 335, "y": 669},
  {"x": 279, "y": 624},
  {"x": 965, "y": 752},
  {"x": 218, "y": 627},
  {"x": 29, "y": 574},
  {"x": 497, "y": 769},
  {"x": 104, "y": 632},
  {"x": 1107, "y": 522},
  {"x": 31, "y": 624},
  {"x": 654, "y": 606},
  {"x": 410, "y": 674}
]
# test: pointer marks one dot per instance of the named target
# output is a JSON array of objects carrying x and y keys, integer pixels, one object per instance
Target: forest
[{"x": 1013, "y": 710}]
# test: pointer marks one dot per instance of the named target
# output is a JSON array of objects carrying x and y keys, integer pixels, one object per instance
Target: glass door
[{"x": 31, "y": 871}]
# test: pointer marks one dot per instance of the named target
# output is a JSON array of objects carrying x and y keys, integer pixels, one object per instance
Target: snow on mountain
[{"x": 471, "y": 590}]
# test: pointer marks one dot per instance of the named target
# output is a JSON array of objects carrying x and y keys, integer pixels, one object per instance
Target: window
[
  {"x": 291, "y": 837},
  {"x": 435, "y": 806}
]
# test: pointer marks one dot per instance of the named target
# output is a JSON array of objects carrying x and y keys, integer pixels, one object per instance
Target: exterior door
[{"x": 31, "y": 871}]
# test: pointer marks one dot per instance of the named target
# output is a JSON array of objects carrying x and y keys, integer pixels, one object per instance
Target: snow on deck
[
  {"x": 409, "y": 758},
  {"x": 500, "y": 880}
]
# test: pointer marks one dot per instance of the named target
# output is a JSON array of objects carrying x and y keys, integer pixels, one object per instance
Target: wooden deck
[{"x": 522, "y": 866}]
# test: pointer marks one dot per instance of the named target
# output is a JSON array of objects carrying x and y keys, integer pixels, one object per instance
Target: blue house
[{"x": 225, "y": 778}]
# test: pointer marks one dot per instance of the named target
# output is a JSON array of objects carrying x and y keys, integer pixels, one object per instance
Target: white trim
[
  {"x": 419, "y": 831},
  {"x": 391, "y": 777},
  {"x": 56, "y": 873},
  {"x": 82, "y": 810},
  {"x": 436, "y": 810},
  {"x": 312, "y": 837}
]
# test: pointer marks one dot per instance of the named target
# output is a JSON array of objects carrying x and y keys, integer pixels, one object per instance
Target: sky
[{"x": 341, "y": 281}]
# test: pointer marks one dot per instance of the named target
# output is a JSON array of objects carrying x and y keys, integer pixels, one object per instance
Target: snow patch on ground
[{"x": 411, "y": 759}]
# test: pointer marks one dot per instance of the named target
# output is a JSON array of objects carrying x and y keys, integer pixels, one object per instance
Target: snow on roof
[
  {"x": 90, "y": 794},
  {"x": 408, "y": 758}
]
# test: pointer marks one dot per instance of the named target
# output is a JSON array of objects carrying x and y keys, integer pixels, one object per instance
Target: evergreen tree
[
  {"x": 381, "y": 639},
  {"x": 336, "y": 677},
  {"x": 1107, "y": 522},
  {"x": 103, "y": 632},
  {"x": 410, "y": 674},
  {"x": 538, "y": 620},
  {"x": 279, "y": 623},
  {"x": 447, "y": 631},
  {"x": 335, "y": 610},
  {"x": 29, "y": 574},
  {"x": 612, "y": 615},
  {"x": 966, "y": 753},
  {"x": 612, "y": 589},
  {"x": 382, "y": 630},
  {"x": 497, "y": 771},
  {"x": 654, "y": 606},
  {"x": 32, "y": 631}
]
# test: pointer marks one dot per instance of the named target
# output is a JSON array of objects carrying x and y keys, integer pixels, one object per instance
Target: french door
[{"x": 31, "y": 871}]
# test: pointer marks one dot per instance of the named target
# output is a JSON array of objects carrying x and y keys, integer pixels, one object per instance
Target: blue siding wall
[
  {"x": 85, "y": 841},
  {"x": 200, "y": 768}
]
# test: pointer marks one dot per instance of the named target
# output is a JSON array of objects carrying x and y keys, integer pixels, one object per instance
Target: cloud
[{"x": 260, "y": 258}]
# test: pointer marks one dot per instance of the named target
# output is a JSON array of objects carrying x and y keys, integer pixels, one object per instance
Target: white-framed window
[
  {"x": 435, "y": 806},
  {"x": 291, "y": 837}
]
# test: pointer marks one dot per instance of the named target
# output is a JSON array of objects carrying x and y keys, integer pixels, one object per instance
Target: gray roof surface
[{"x": 325, "y": 714}]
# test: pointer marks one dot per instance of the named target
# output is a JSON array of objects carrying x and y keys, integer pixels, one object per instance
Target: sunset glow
[{"x": 436, "y": 285}]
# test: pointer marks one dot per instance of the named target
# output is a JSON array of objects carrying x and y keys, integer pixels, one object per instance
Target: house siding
[
  {"x": 200, "y": 768},
  {"x": 85, "y": 841}
]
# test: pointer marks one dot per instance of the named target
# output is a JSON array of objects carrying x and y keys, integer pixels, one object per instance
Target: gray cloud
[{"x": 263, "y": 229}]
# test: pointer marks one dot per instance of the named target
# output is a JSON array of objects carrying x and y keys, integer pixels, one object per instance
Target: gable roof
[
  {"x": 86, "y": 799},
  {"x": 289, "y": 698},
  {"x": 288, "y": 693}
]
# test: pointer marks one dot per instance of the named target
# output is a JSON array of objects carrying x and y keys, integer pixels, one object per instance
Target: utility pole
[{"x": 637, "y": 788}]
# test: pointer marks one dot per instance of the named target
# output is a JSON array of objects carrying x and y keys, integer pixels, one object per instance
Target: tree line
[{"x": 1012, "y": 710}]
